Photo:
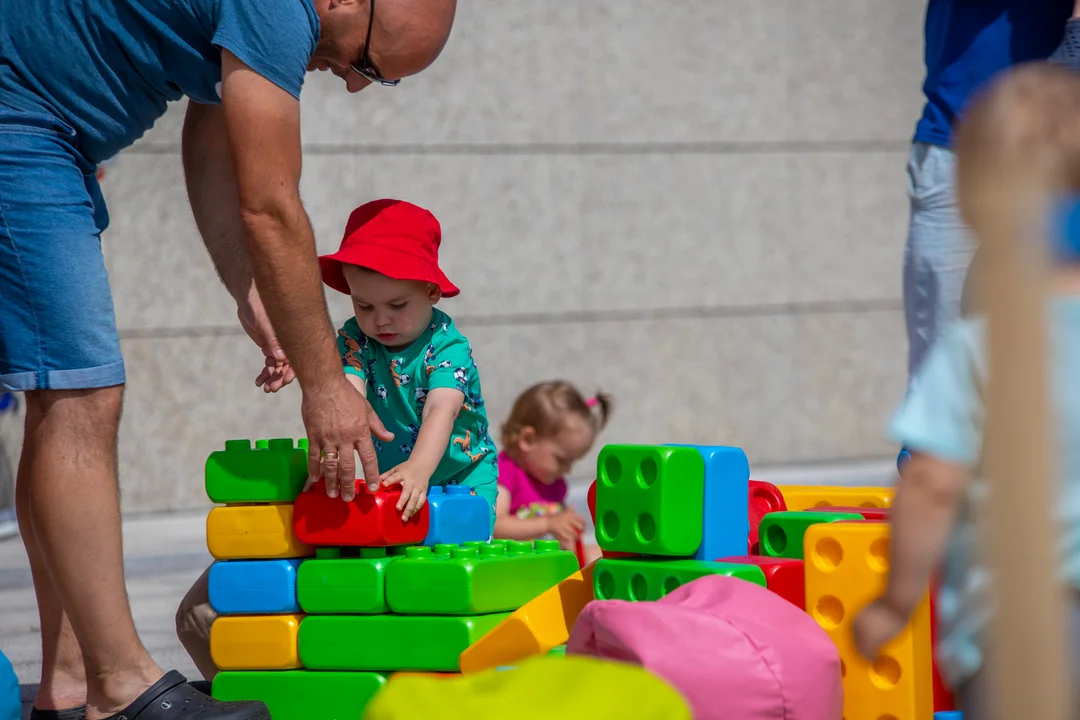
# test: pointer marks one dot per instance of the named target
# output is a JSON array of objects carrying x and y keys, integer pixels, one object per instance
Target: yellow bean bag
[{"x": 544, "y": 687}]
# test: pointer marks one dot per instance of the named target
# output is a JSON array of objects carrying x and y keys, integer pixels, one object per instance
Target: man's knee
[{"x": 85, "y": 413}]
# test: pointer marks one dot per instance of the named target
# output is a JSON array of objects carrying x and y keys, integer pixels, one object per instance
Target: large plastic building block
[
  {"x": 255, "y": 642},
  {"x": 390, "y": 642},
  {"x": 867, "y": 513},
  {"x": 781, "y": 533},
  {"x": 765, "y": 498},
  {"x": 726, "y": 512},
  {"x": 253, "y": 587},
  {"x": 650, "y": 499},
  {"x": 535, "y": 628},
  {"x": 949, "y": 715},
  {"x": 302, "y": 695},
  {"x": 652, "y": 578},
  {"x": 455, "y": 516},
  {"x": 370, "y": 520},
  {"x": 806, "y": 497},
  {"x": 784, "y": 576},
  {"x": 475, "y": 579},
  {"x": 274, "y": 471},
  {"x": 944, "y": 699},
  {"x": 345, "y": 585},
  {"x": 253, "y": 532},
  {"x": 846, "y": 568},
  {"x": 590, "y": 500}
]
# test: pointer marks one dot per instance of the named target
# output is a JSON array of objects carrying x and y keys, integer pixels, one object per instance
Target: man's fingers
[
  {"x": 347, "y": 475},
  {"x": 369, "y": 461},
  {"x": 314, "y": 461},
  {"x": 330, "y": 464},
  {"x": 375, "y": 425}
]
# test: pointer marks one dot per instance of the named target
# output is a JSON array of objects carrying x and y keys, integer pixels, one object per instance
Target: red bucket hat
[{"x": 394, "y": 238}]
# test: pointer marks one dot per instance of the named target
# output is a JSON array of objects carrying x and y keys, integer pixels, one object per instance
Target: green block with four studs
[
  {"x": 274, "y": 471},
  {"x": 652, "y": 578},
  {"x": 475, "y": 577},
  {"x": 649, "y": 499}
]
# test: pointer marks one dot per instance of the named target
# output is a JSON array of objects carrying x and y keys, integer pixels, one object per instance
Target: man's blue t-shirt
[
  {"x": 109, "y": 67},
  {"x": 970, "y": 41}
]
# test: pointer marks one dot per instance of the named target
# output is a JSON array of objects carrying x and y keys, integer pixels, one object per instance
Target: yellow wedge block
[
  {"x": 536, "y": 627},
  {"x": 805, "y": 497},
  {"x": 248, "y": 532},
  {"x": 255, "y": 642},
  {"x": 846, "y": 567}
]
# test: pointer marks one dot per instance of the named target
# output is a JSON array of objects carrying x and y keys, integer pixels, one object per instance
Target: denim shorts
[
  {"x": 57, "y": 325},
  {"x": 938, "y": 253}
]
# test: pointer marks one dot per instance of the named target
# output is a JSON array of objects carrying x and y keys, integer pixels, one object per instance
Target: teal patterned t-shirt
[{"x": 397, "y": 387}]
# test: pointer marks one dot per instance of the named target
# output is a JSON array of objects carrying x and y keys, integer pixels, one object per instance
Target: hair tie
[{"x": 591, "y": 402}]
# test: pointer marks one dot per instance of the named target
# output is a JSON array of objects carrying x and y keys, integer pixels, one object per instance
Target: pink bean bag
[{"x": 735, "y": 650}]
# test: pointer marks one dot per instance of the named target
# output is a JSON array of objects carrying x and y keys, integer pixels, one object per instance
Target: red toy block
[
  {"x": 370, "y": 520},
  {"x": 867, "y": 513},
  {"x": 764, "y": 499},
  {"x": 784, "y": 576},
  {"x": 590, "y": 498},
  {"x": 943, "y": 696}
]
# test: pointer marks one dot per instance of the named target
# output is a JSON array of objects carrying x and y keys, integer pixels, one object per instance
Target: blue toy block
[
  {"x": 949, "y": 715},
  {"x": 902, "y": 459},
  {"x": 456, "y": 516},
  {"x": 254, "y": 587},
  {"x": 726, "y": 510}
]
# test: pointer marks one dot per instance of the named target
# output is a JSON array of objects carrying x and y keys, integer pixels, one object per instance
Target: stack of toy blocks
[
  {"x": 675, "y": 509},
  {"x": 268, "y": 588}
]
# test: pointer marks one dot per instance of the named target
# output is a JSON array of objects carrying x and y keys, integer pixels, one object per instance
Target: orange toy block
[
  {"x": 255, "y": 642},
  {"x": 535, "y": 628},
  {"x": 250, "y": 532},
  {"x": 806, "y": 497},
  {"x": 846, "y": 565}
]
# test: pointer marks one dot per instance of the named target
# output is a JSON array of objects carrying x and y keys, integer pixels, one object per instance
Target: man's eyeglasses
[{"x": 365, "y": 68}]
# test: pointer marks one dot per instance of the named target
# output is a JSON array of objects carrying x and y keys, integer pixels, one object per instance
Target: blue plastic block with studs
[
  {"x": 456, "y": 516},
  {"x": 253, "y": 587},
  {"x": 650, "y": 499},
  {"x": 725, "y": 522}
]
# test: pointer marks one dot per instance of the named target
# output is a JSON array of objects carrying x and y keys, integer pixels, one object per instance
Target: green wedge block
[
  {"x": 653, "y": 578},
  {"x": 390, "y": 642},
  {"x": 649, "y": 499},
  {"x": 302, "y": 695},
  {"x": 781, "y": 533},
  {"x": 274, "y": 471},
  {"x": 345, "y": 585},
  {"x": 475, "y": 578}
]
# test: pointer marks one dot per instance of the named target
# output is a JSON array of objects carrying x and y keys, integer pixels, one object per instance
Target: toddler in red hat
[{"x": 407, "y": 357}]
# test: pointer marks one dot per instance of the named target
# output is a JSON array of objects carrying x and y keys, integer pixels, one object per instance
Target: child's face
[
  {"x": 392, "y": 312},
  {"x": 548, "y": 459}
]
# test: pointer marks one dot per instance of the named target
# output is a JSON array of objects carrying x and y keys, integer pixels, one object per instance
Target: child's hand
[
  {"x": 566, "y": 526},
  {"x": 276, "y": 375},
  {"x": 414, "y": 487},
  {"x": 876, "y": 625}
]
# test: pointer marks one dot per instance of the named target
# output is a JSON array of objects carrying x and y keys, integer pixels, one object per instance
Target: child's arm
[
  {"x": 514, "y": 528},
  {"x": 436, "y": 425}
]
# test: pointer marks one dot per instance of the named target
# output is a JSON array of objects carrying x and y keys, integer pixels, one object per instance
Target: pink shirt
[{"x": 529, "y": 498}]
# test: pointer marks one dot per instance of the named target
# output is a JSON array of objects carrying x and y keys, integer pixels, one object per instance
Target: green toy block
[
  {"x": 557, "y": 650},
  {"x": 302, "y": 695},
  {"x": 274, "y": 471},
  {"x": 475, "y": 579},
  {"x": 781, "y": 533},
  {"x": 390, "y": 642},
  {"x": 345, "y": 585},
  {"x": 649, "y": 499},
  {"x": 653, "y": 578}
]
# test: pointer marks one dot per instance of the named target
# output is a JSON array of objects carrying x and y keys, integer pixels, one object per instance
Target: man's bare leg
[
  {"x": 75, "y": 508},
  {"x": 63, "y": 678}
]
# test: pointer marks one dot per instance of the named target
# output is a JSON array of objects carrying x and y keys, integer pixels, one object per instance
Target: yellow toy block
[
  {"x": 805, "y": 497},
  {"x": 846, "y": 566},
  {"x": 248, "y": 532},
  {"x": 255, "y": 642},
  {"x": 535, "y": 628}
]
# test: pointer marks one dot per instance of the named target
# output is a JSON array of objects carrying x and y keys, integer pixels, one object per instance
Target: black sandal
[
  {"x": 75, "y": 713},
  {"x": 172, "y": 697}
]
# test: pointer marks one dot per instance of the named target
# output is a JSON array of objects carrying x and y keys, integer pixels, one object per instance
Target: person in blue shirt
[
  {"x": 967, "y": 44},
  {"x": 80, "y": 80},
  {"x": 938, "y": 515}
]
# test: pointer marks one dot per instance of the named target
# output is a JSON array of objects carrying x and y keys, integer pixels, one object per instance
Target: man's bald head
[{"x": 407, "y": 36}]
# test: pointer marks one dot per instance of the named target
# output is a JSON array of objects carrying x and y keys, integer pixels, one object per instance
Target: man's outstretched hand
[{"x": 340, "y": 422}]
